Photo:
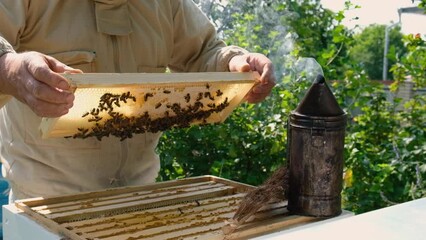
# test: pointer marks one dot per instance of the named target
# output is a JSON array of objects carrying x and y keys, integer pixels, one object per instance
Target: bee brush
[{"x": 274, "y": 189}]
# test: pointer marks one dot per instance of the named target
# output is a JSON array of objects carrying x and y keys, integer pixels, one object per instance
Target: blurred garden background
[{"x": 385, "y": 145}]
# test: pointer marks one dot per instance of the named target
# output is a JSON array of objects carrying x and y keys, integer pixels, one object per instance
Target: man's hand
[
  {"x": 34, "y": 79},
  {"x": 255, "y": 62}
]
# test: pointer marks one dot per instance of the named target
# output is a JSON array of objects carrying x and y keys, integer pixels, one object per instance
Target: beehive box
[
  {"x": 122, "y": 104},
  {"x": 192, "y": 208}
]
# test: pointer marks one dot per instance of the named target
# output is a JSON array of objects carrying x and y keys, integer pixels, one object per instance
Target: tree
[
  {"x": 422, "y": 4},
  {"x": 368, "y": 49}
]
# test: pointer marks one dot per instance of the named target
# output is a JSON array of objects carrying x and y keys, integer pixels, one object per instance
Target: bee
[
  {"x": 187, "y": 97},
  {"x": 207, "y": 85},
  {"x": 94, "y": 119},
  {"x": 124, "y": 97},
  {"x": 147, "y": 95},
  {"x": 200, "y": 96},
  {"x": 208, "y": 95},
  {"x": 85, "y": 114},
  {"x": 158, "y": 105},
  {"x": 102, "y": 107},
  {"x": 118, "y": 120},
  {"x": 166, "y": 91},
  {"x": 109, "y": 106},
  {"x": 219, "y": 93},
  {"x": 211, "y": 105},
  {"x": 198, "y": 105},
  {"x": 106, "y": 96}
]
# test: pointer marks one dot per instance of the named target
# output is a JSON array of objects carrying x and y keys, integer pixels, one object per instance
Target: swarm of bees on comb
[{"x": 176, "y": 115}]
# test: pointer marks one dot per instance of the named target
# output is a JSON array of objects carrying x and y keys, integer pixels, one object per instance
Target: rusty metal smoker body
[{"x": 316, "y": 133}]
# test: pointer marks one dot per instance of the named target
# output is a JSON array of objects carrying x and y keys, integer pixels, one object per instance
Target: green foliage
[
  {"x": 244, "y": 148},
  {"x": 368, "y": 49},
  {"x": 385, "y": 152},
  {"x": 413, "y": 63},
  {"x": 422, "y": 4},
  {"x": 385, "y": 147}
]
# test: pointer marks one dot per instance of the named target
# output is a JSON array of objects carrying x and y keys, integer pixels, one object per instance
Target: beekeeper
[{"x": 41, "y": 38}]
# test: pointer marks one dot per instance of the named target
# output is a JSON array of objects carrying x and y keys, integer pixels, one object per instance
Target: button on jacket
[{"x": 97, "y": 36}]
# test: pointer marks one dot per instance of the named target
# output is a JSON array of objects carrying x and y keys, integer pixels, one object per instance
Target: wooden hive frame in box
[
  {"x": 148, "y": 102},
  {"x": 192, "y": 208}
]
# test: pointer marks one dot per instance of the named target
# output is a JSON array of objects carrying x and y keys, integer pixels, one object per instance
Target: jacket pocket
[{"x": 83, "y": 60}]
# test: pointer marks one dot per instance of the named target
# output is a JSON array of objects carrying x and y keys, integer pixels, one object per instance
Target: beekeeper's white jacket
[{"x": 97, "y": 36}]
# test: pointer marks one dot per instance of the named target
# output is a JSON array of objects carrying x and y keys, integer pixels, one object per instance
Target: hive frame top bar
[{"x": 88, "y": 80}]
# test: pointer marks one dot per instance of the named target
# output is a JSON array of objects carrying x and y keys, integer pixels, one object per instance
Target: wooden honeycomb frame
[{"x": 153, "y": 95}]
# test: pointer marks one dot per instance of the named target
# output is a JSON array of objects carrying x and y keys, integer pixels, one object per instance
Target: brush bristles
[{"x": 274, "y": 189}]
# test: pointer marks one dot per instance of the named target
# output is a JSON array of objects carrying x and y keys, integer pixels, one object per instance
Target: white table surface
[
  {"x": 18, "y": 226},
  {"x": 405, "y": 221}
]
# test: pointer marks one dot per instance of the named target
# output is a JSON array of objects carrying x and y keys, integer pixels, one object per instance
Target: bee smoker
[{"x": 316, "y": 133}]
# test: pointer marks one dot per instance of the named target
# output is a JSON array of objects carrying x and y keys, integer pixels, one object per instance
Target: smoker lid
[{"x": 319, "y": 101}]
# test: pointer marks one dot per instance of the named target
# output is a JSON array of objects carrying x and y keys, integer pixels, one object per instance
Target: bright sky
[{"x": 381, "y": 12}]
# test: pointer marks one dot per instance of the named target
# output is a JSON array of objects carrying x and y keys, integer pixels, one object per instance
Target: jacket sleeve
[
  {"x": 5, "y": 47},
  {"x": 197, "y": 48},
  {"x": 12, "y": 19}
]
